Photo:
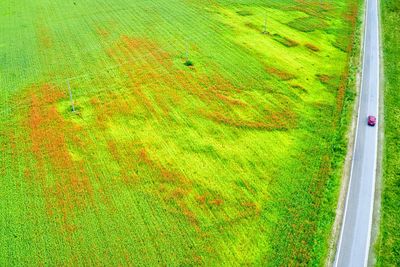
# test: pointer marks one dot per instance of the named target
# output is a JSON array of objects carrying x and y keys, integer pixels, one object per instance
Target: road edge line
[{"x": 376, "y": 204}]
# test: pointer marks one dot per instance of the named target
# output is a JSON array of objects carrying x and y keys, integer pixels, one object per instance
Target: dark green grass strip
[{"x": 388, "y": 247}]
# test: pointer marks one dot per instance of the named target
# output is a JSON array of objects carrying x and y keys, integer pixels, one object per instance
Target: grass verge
[{"x": 388, "y": 246}]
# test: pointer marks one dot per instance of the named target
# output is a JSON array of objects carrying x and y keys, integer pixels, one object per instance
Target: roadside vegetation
[
  {"x": 388, "y": 246},
  {"x": 205, "y": 132}
]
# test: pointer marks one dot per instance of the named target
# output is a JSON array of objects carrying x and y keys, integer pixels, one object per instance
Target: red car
[{"x": 371, "y": 120}]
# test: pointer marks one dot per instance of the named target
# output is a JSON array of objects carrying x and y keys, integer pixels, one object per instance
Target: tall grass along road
[{"x": 388, "y": 245}]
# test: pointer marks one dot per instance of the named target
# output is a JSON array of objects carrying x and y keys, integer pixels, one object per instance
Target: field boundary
[{"x": 351, "y": 134}]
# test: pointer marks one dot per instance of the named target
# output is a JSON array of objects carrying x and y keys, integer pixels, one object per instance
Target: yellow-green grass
[
  {"x": 388, "y": 245},
  {"x": 234, "y": 160}
]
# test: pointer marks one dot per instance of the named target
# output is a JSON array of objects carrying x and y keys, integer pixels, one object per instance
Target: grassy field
[
  {"x": 388, "y": 247},
  {"x": 234, "y": 160}
]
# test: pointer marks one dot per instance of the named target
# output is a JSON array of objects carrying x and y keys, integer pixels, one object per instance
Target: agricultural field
[
  {"x": 388, "y": 245},
  {"x": 200, "y": 136}
]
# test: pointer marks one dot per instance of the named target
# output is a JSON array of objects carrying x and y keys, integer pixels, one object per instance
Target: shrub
[{"x": 188, "y": 63}]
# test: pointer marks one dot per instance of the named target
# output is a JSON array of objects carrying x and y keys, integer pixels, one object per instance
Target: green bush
[{"x": 188, "y": 63}]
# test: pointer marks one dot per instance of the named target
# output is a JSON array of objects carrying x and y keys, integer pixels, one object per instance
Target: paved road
[{"x": 355, "y": 236}]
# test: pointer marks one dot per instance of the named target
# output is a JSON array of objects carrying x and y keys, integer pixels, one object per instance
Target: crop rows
[{"x": 225, "y": 161}]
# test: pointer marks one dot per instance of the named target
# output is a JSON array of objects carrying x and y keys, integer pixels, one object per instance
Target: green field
[
  {"x": 234, "y": 160},
  {"x": 388, "y": 246}
]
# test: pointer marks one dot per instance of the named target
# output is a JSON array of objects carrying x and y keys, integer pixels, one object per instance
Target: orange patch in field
[
  {"x": 313, "y": 8},
  {"x": 230, "y": 100},
  {"x": 279, "y": 73},
  {"x": 157, "y": 86},
  {"x": 352, "y": 13},
  {"x": 166, "y": 175},
  {"x": 306, "y": 230},
  {"x": 201, "y": 199},
  {"x": 69, "y": 188},
  {"x": 103, "y": 32},
  {"x": 123, "y": 155},
  {"x": 324, "y": 79},
  {"x": 312, "y": 47},
  {"x": 216, "y": 202},
  {"x": 250, "y": 209},
  {"x": 174, "y": 188}
]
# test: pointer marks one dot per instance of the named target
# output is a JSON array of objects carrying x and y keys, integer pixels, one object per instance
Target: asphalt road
[{"x": 355, "y": 236}]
